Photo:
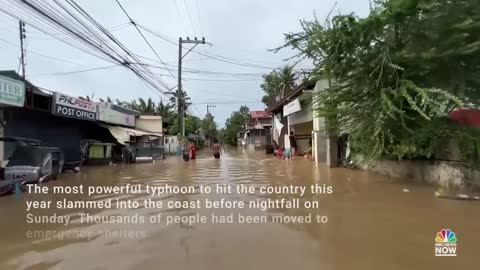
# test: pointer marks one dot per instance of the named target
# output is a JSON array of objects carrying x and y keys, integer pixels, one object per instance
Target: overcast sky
[{"x": 239, "y": 29}]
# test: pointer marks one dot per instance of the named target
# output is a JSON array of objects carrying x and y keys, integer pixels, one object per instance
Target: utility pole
[
  {"x": 179, "y": 88},
  {"x": 180, "y": 94},
  {"x": 210, "y": 106},
  {"x": 21, "y": 26}
]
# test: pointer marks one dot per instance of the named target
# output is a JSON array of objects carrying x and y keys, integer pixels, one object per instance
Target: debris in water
[
  {"x": 406, "y": 190},
  {"x": 456, "y": 197}
]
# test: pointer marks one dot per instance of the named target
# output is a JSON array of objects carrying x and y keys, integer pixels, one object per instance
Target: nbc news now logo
[{"x": 446, "y": 243}]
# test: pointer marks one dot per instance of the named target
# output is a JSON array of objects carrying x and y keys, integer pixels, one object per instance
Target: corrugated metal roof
[{"x": 260, "y": 114}]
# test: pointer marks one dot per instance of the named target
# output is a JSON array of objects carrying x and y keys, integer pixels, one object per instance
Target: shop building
[{"x": 293, "y": 114}]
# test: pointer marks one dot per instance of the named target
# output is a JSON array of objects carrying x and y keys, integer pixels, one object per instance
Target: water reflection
[{"x": 372, "y": 224}]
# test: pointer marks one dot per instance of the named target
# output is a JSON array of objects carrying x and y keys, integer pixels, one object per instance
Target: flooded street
[{"x": 372, "y": 223}]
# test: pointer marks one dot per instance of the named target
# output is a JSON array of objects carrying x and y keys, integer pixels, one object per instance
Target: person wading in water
[
  {"x": 193, "y": 150},
  {"x": 216, "y": 150},
  {"x": 186, "y": 151}
]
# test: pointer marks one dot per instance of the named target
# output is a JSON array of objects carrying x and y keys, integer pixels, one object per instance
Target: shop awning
[{"x": 122, "y": 134}]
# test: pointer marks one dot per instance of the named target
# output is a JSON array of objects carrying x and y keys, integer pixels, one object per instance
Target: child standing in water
[{"x": 216, "y": 150}]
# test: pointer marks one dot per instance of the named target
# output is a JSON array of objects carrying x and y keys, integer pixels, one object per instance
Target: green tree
[
  {"x": 277, "y": 83},
  {"x": 192, "y": 125},
  {"x": 173, "y": 101},
  {"x": 87, "y": 98},
  {"x": 396, "y": 74},
  {"x": 145, "y": 106},
  {"x": 166, "y": 111},
  {"x": 235, "y": 124},
  {"x": 209, "y": 127}
]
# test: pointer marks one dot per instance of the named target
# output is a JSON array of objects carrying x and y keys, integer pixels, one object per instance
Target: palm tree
[
  {"x": 124, "y": 103},
  {"x": 187, "y": 99},
  {"x": 87, "y": 98},
  {"x": 165, "y": 111},
  {"x": 277, "y": 84},
  {"x": 146, "y": 106},
  {"x": 287, "y": 79}
]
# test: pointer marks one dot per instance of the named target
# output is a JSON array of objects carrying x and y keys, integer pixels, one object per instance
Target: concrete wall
[
  {"x": 325, "y": 140},
  {"x": 257, "y": 135},
  {"x": 150, "y": 123},
  {"x": 441, "y": 173},
  {"x": 171, "y": 144},
  {"x": 305, "y": 115}
]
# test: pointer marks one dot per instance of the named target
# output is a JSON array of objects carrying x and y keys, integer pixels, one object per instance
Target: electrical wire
[
  {"x": 73, "y": 72},
  {"x": 198, "y": 17},
  {"x": 189, "y": 17},
  {"x": 80, "y": 33},
  {"x": 180, "y": 17},
  {"x": 229, "y": 102},
  {"x": 43, "y": 55},
  {"x": 214, "y": 57},
  {"x": 143, "y": 36}
]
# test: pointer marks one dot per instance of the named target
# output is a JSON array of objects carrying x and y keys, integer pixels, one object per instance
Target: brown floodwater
[{"x": 372, "y": 222}]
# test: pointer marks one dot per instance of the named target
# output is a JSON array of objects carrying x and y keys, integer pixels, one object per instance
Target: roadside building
[
  {"x": 12, "y": 94},
  {"x": 257, "y": 133},
  {"x": 153, "y": 126},
  {"x": 53, "y": 118},
  {"x": 293, "y": 114},
  {"x": 140, "y": 132}
]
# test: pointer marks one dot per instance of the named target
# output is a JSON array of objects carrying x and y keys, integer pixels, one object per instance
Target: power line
[
  {"x": 43, "y": 17},
  {"x": 214, "y": 57},
  {"x": 214, "y": 73},
  {"x": 198, "y": 17},
  {"x": 144, "y": 38},
  {"x": 228, "y": 102},
  {"x": 73, "y": 72},
  {"x": 43, "y": 55},
  {"x": 189, "y": 17},
  {"x": 180, "y": 17}
]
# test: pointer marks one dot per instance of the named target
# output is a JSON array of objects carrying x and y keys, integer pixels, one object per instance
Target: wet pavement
[{"x": 372, "y": 223}]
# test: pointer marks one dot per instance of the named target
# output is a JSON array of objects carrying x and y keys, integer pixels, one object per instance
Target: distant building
[{"x": 257, "y": 134}]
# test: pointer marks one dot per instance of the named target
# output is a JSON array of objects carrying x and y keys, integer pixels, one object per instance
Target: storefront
[
  {"x": 300, "y": 123},
  {"x": 294, "y": 115},
  {"x": 147, "y": 129},
  {"x": 65, "y": 124},
  {"x": 12, "y": 94}
]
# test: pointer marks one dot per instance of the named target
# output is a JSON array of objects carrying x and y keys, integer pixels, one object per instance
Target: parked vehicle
[
  {"x": 30, "y": 163},
  {"x": 146, "y": 151},
  {"x": 97, "y": 153},
  {"x": 144, "y": 154}
]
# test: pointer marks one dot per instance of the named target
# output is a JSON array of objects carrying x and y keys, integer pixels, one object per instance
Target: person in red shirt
[{"x": 193, "y": 150}]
